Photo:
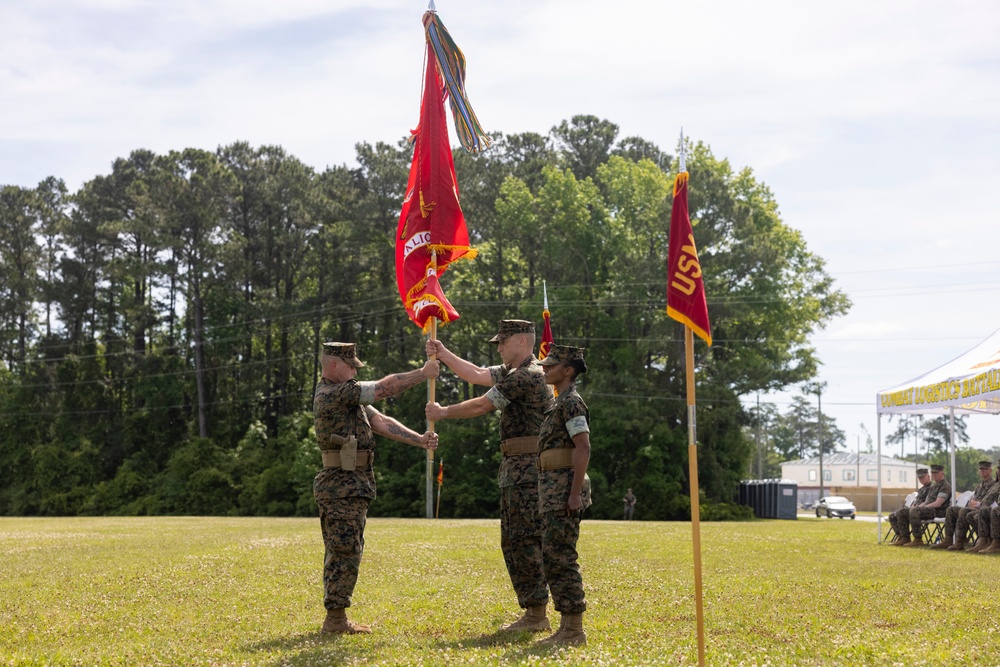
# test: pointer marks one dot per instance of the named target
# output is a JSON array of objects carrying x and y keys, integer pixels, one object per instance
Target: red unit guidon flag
[{"x": 685, "y": 288}]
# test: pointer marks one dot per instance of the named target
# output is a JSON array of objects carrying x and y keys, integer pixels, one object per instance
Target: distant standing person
[
  {"x": 564, "y": 490},
  {"x": 345, "y": 426},
  {"x": 519, "y": 392},
  {"x": 629, "y": 505}
]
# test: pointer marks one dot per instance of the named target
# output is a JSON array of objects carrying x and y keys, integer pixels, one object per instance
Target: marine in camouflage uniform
[
  {"x": 564, "y": 489},
  {"x": 983, "y": 528},
  {"x": 989, "y": 524},
  {"x": 519, "y": 392},
  {"x": 902, "y": 515},
  {"x": 957, "y": 519},
  {"x": 936, "y": 505},
  {"x": 345, "y": 422}
]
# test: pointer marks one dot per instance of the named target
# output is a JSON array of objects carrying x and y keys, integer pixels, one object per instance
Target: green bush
[
  {"x": 711, "y": 511},
  {"x": 198, "y": 480}
]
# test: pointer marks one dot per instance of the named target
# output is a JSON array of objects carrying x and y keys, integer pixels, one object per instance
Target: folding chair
[{"x": 934, "y": 528}]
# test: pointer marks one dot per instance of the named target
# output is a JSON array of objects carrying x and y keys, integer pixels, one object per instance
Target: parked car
[{"x": 835, "y": 506}]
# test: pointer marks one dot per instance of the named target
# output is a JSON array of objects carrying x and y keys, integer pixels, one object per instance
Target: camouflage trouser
[
  {"x": 966, "y": 516},
  {"x": 343, "y": 524},
  {"x": 900, "y": 520},
  {"x": 562, "y": 572},
  {"x": 950, "y": 519},
  {"x": 521, "y": 543},
  {"x": 917, "y": 515},
  {"x": 994, "y": 523},
  {"x": 984, "y": 529}
]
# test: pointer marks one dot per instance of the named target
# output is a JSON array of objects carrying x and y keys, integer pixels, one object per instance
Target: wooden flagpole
[
  {"x": 680, "y": 226},
  {"x": 431, "y": 386},
  {"x": 693, "y": 474}
]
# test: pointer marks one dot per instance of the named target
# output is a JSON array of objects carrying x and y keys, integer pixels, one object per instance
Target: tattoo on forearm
[
  {"x": 402, "y": 433},
  {"x": 397, "y": 384}
]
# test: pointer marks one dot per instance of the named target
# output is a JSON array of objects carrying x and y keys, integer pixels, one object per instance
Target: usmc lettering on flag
[{"x": 688, "y": 269}]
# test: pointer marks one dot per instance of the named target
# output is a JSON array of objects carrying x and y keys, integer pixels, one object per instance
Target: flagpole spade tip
[
  {"x": 431, "y": 7},
  {"x": 683, "y": 153}
]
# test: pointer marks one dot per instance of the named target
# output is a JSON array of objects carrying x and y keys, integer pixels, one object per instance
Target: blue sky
[{"x": 876, "y": 125}]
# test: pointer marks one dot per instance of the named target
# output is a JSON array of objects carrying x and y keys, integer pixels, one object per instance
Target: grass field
[{"x": 218, "y": 591}]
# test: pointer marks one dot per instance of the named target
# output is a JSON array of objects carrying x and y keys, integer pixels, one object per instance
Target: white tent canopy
[{"x": 969, "y": 384}]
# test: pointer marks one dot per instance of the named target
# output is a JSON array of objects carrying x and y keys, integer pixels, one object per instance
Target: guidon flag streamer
[
  {"x": 432, "y": 232},
  {"x": 685, "y": 288},
  {"x": 451, "y": 64}
]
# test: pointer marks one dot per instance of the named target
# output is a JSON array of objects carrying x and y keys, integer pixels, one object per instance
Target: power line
[
  {"x": 962, "y": 265},
  {"x": 157, "y": 408}
]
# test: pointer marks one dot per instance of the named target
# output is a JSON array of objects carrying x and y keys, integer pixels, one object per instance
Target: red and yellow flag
[
  {"x": 431, "y": 232},
  {"x": 441, "y": 473},
  {"x": 546, "y": 344},
  {"x": 685, "y": 288}
]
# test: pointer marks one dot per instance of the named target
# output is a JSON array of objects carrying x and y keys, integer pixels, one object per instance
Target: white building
[{"x": 851, "y": 475}]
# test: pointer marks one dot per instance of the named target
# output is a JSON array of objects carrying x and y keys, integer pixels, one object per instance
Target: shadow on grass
[
  {"x": 316, "y": 648},
  {"x": 492, "y": 639},
  {"x": 310, "y": 649},
  {"x": 516, "y": 645}
]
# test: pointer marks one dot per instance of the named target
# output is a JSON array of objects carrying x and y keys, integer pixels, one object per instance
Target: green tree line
[{"x": 159, "y": 327}]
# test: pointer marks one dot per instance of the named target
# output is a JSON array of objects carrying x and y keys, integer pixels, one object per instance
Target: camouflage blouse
[
  {"x": 522, "y": 397},
  {"x": 567, "y": 417},
  {"x": 991, "y": 495},
  {"x": 937, "y": 490},
  {"x": 983, "y": 488},
  {"x": 922, "y": 494},
  {"x": 338, "y": 410}
]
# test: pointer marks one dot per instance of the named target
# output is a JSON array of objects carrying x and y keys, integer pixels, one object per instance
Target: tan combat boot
[
  {"x": 554, "y": 637},
  {"x": 901, "y": 542},
  {"x": 533, "y": 620},
  {"x": 918, "y": 542},
  {"x": 959, "y": 544},
  {"x": 336, "y": 623},
  {"x": 570, "y": 632},
  {"x": 994, "y": 548},
  {"x": 980, "y": 544}
]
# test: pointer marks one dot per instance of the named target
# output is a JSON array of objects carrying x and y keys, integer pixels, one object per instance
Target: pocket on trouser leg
[{"x": 523, "y": 519}]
